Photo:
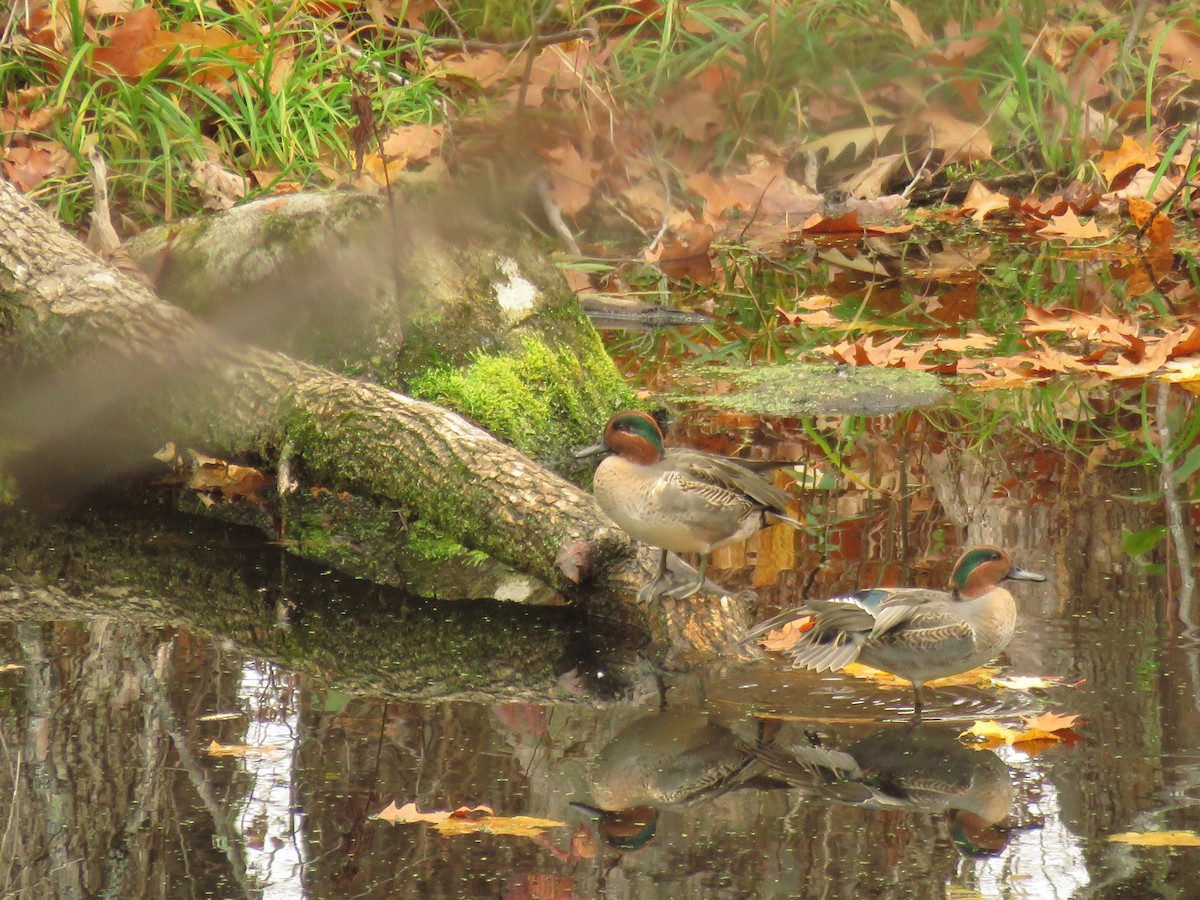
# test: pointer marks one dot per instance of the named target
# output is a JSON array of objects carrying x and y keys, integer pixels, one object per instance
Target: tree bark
[{"x": 98, "y": 372}]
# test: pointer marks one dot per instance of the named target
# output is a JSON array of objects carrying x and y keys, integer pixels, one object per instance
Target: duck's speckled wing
[
  {"x": 915, "y": 621},
  {"x": 900, "y": 618},
  {"x": 716, "y": 472}
]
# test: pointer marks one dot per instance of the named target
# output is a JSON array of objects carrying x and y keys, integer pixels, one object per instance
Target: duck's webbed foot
[
  {"x": 658, "y": 583},
  {"x": 689, "y": 588}
]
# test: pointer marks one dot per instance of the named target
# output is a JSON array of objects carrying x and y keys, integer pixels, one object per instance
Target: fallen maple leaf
[
  {"x": 1040, "y": 732},
  {"x": 981, "y": 200},
  {"x": 992, "y": 733},
  {"x": 1130, "y": 155},
  {"x": 1069, "y": 228}
]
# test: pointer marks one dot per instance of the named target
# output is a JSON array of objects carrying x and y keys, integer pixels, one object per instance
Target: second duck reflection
[{"x": 683, "y": 757}]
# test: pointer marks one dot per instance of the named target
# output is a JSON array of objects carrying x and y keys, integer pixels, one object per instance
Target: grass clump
[{"x": 260, "y": 91}]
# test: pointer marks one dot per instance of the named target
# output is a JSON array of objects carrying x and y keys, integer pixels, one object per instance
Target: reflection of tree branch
[
  {"x": 166, "y": 715},
  {"x": 55, "y": 806},
  {"x": 1176, "y": 528},
  {"x": 14, "y": 803},
  {"x": 148, "y": 784}
]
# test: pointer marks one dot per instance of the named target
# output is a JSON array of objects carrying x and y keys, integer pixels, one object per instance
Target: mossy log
[
  {"x": 99, "y": 372},
  {"x": 428, "y": 296}
]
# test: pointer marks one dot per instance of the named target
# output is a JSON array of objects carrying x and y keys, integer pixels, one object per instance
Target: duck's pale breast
[{"x": 653, "y": 504}]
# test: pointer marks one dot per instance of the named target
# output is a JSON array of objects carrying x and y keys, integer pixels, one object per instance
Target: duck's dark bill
[
  {"x": 1019, "y": 574},
  {"x": 594, "y": 450}
]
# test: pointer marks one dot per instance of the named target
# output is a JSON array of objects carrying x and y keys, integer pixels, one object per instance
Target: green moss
[
  {"x": 429, "y": 545},
  {"x": 805, "y": 390},
  {"x": 541, "y": 400}
]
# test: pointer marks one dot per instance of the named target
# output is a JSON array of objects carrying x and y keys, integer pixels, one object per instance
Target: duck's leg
[
  {"x": 654, "y": 587},
  {"x": 686, "y": 590},
  {"x": 916, "y": 700}
]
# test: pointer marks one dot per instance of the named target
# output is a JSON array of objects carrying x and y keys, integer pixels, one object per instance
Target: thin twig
[
  {"x": 666, "y": 216},
  {"x": 541, "y": 40},
  {"x": 343, "y": 44},
  {"x": 912, "y": 185},
  {"x": 554, "y": 215}
]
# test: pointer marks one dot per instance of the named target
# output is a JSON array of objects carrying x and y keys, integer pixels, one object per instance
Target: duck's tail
[{"x": 777, "y": 518}]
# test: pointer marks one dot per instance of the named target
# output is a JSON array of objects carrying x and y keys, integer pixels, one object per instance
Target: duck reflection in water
[
  {"x": 669, "y": 759},
  {"x": 919, "y": 769}
]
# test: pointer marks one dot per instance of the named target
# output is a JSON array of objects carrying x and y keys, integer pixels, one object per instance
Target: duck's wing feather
[
  {"x": 900, "y": 617},
  {"x": 704, "y": 468},
  {"x": 840, "y": 626},
  {"x": 843, "y": 612},
  {"x": 895, "y": 608}
]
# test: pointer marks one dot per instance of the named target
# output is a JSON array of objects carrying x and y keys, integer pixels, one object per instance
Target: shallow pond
[{"x": 113, "y": 786}]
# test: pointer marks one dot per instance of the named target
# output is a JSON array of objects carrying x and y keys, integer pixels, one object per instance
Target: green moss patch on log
[
  {"x": 542, "y": 400},
  {"x": 808, "y": 390}
]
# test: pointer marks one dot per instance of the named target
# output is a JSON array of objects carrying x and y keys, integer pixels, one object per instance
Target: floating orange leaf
[
  {"x": 241, "y": 750},
  {"x": 467, "y": 820},
  {"x": 786, "y": 636},
  {"x": 1158, "y": 838},
  {"x": 1051, "y": 721},
  {"x": 1040, "y": 732}
]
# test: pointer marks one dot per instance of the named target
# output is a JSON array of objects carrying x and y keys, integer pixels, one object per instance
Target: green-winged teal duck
[
  {"x": 916, "y": 633},
  {"x": 679, "y": 500}
]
